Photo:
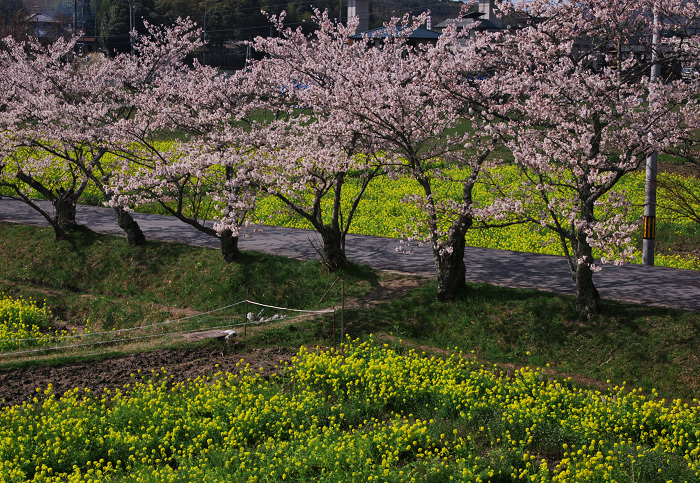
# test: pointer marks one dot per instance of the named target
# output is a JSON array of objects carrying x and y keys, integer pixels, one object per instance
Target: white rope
[
  {"x": 169, "y": 321},
  {"x": 328, "y": 311},
  {"x": 114, "y": 341}
]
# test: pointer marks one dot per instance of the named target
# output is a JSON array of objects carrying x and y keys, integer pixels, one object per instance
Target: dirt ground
[{"x": 19, "y": 385}]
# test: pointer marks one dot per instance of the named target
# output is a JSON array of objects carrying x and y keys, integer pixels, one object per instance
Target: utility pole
[
  {"x": 652, "y": 160},
  {"x": 204, "y": 39},
  {"x": 75, "y": 15},
  {"x": 131, "y": 25}
]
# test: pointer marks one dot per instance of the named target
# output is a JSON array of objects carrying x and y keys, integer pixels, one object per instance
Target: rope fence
[
  {"x": 165, "y": 322},
  {"x": 250, "y": 319}
]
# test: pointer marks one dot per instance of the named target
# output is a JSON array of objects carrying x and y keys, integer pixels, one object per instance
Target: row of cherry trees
[{"x": 320, "y": 110}]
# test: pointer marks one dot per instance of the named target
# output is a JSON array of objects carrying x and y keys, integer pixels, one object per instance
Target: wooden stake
[
  {"x": 342, "y": 315},
  {"x": 245, "y": 316}
]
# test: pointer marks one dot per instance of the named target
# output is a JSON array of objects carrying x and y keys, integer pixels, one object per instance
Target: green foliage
[{"x": 113, "y": 22}]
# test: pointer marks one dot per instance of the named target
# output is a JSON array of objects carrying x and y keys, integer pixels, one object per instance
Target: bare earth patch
[{"x": 20, "y": 385}]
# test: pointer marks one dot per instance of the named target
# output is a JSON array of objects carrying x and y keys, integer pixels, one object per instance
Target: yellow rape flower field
[
  {"x": 21, "y": 322},
  {"x": 370, "y": 414},
  {"x": 382, "y": 213}
]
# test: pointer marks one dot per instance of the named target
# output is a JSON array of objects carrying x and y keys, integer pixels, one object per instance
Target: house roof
[
  {"x": 41, "y": 18},
  {"x": 384, "y": 32},
  {"x": 469, "y": 21}
]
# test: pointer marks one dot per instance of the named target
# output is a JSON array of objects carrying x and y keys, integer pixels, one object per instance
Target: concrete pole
[
  {"x": 652, "y": 161},
  {"x": 131, "y": 25},
  {"x": 650, "y": 210}
]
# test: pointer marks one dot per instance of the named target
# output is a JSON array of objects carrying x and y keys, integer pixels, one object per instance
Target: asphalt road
[{"x": 659, "y": 286}]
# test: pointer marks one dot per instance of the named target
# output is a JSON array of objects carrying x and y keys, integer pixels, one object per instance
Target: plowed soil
[{"x": 20, "y": 385}]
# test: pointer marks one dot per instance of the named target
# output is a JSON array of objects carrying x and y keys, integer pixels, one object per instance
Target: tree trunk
[
  {"x": 64, "y": 216},
  {"x": 333, "y": 249},
  {"x": 229, "y": 246},
  {"x": 134, "y": 235},
  {"x": 587, "y": 296},
  {"x": 59, "y": 232},
  {"x": 451, "y": 271}
]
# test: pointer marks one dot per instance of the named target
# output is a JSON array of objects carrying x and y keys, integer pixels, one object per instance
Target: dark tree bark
[
  {"x": 229, "y": 246},
  {"x": 64, "y": 204},
  {"x": 449, "y": 262},
  {"x": 451, "y": 271},
  {"x": 449, "y": 256},
  {"x": 334, "y": 232},
  {"x": 126, "y": 222},
  {"x": 333, "y": 247},
  {"x": 587, "y": 296}
]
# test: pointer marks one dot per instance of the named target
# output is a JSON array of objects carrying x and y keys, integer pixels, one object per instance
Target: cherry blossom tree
[
  {"x": 178, "y": 149},
  {"x": 57, "y": 111},
  {"x": 197, "y": 184},
  {"x": 398, "y": 100},
  {"x": 425, "y": 105},
  {"x": 306, "y": 163},
  {"x": 306, "y": 155},
  {"x": 581, "y": 112}
]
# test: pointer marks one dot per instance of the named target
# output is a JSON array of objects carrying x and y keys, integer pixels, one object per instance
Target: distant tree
[
  {"x": 223, "y": 19},
  {"x": 85, "y": 18},
  {"x": 113, "y": 22},
  {"x": 13, "y": 20}
]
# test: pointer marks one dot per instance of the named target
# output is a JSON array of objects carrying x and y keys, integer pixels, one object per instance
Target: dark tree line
[
  {"x": 13, "y": 19},
  {"x": 229, "y": 22}
]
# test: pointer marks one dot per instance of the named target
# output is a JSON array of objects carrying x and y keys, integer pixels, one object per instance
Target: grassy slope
[{"x": 101, "y": 278}]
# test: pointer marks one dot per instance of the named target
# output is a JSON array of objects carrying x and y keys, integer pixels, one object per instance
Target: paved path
[{"x": 633, "y": 283}]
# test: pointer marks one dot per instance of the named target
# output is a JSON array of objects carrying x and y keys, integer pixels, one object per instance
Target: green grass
[
  {"x": 101, "y": 279},
  {"x": 646, "y": 347}
]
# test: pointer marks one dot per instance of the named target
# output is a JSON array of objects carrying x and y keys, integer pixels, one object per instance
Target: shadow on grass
[{"x": 641, "y": 345}]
